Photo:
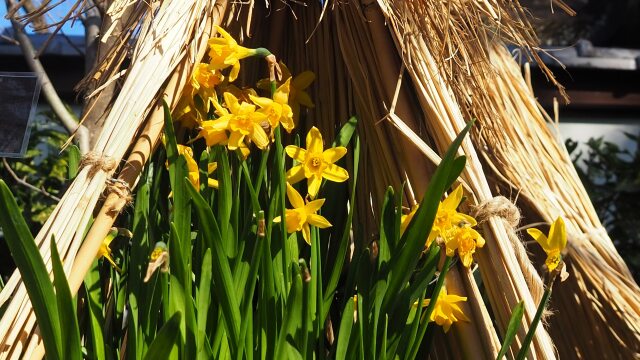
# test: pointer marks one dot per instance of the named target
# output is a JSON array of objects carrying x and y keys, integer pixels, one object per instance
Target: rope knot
[
  {"x": 498, "y": 206},
  {"x": 122, "y": 190},
  {"x": 97, "y": 161}
]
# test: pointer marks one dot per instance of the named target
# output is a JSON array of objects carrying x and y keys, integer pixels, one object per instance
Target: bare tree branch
[
  {"x": 26, "y": 184},
  {"x": 79, "y": 131}
]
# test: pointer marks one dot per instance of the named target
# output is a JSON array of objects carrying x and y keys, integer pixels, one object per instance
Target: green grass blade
[
  {"x": 74, "y": 161},
  {"x": 346, "y": 132},
  {"x": 203, "y": 300},
  {"x": 336, "y": 268},
  {"x": 166, "y": 340},
  {"x": 292, "y": 319},
  {"x": 413, "y": 239},
  {"x": 512, "y": 329},
  {"x": 71, "y": 346},
  {"x": 33, "y": 271},
  {"x": 96, "y": 319},
  {"x": 224, "y": 289}
]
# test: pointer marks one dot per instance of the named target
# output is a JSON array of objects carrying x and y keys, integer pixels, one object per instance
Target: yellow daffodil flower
[
  {"x": 194, "y": 170},
  {"x": 186, "y": 112},
  {"x": 302, "y": 215},
  {"x": 406, "y": 219},
  {"x": 447, "y": 216},
  {"x": 192, "y": 165},
  {"x": 446, "y": 311},
  {"x": 297, "y": 94},
  {"x": 105, "y": 250},
  {"x": 464, "y": 240},
  {"x": 225, "y": 51},
  {"x": 242, "y": 121},
  {"x": 158, "y": 259},
  {"x": 316, "y": 163},
  {"x": 553, "y": 244},
  {"x": 277, "y": 110},
  {"x": 205, "y": 78},
  {"x": 242, "y": 94}
]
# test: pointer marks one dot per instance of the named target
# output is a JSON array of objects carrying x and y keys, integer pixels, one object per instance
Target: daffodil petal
[
  {"x": 281, "y": 95},
  {"x": 303, "y": 98},
  {"x": 558, "y": 235},
  {"x": 263, "y": 102},
  {"x": 232, "y": 102},
  {"x": 295, "y": 174},
  {"x": 453, "y": 200},
  {"x": 334, "y": 154},
  {"x": 294, "y": 197},
  {"x": 296, "y": 153},
  {"x": 540, "y": 238},
  {"x": 313, "y": 186},
  {"x": 233, "y": 75},
  {"x": 225, "y": 35},
  {"x": 313, "y": 206},
  {"x": 335, "y": 173},
  {"x": 314, "y": 141},
  {"x": 212, "y": 183},
  {"x": 277, "y": 219},
  {"x": 259, "y": 136},
  {"x": 303, "y": 80},
  {"x": 318, "y": 221},
  {"x": 306, "y": 233},
  {"x": 235, "y": 139}
]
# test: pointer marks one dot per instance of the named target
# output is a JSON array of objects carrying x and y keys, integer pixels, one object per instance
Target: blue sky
[{"x": 55, "y": 15}]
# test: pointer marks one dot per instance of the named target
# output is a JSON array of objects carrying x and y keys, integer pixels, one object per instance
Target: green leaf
[
  {"x": 347, "y": 130},
  {"x": 94, "y": 305},
  {"x": 512, "y": 329},
  {"x": 203, "y": 300},
  {"x": 71, "y": 346},
  {"x": 74, "y": 161},
  {"x": 456, "y": 169},
  {"x": 170, "y": 136},
  {"x": 292, "y": 318},
  {"x": 224, "y": 203},
  {"x": 225, "y": 288},
  {"x": 336, "y": 267},
  {"x": 387, "y": 228},
  {"x": 33, "y": 271},
  {"x": 526, "y": 343},
  {"x": 166, "y": 340},
  {"x": 414, "y": 237}
]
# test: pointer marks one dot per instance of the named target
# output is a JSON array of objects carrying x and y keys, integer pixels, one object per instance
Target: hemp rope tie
[
  {"x": 508, "y": 212},
  {"x": 123, "y": 191},
  {"x": 97, "y": 161}
]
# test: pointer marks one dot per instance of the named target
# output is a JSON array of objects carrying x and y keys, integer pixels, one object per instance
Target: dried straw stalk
[
  {"x": 170, "y": 26},
  {"x": 600, "y": 298}
]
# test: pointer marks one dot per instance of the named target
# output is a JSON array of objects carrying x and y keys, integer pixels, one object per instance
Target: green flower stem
[
  {"x": 524, "y": 350},
  {"x": 253, "y": 278},
  {"x": 262, "y": 52},
  {"x": 283, "y": 191},
  {"x": 262, "y": 170},
  {"x": 432, "y": 304},
  {"x": 254, "y": 196}
]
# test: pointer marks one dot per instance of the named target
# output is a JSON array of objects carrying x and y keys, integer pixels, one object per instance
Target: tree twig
[
  {"x": 26, "y": 184},
  {"x": 71, "y": 125}
]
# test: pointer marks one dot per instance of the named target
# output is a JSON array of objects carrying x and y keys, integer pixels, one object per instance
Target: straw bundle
[
  {"x": 168, "y": 33},
  {"x": 525, "y": 153}
]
